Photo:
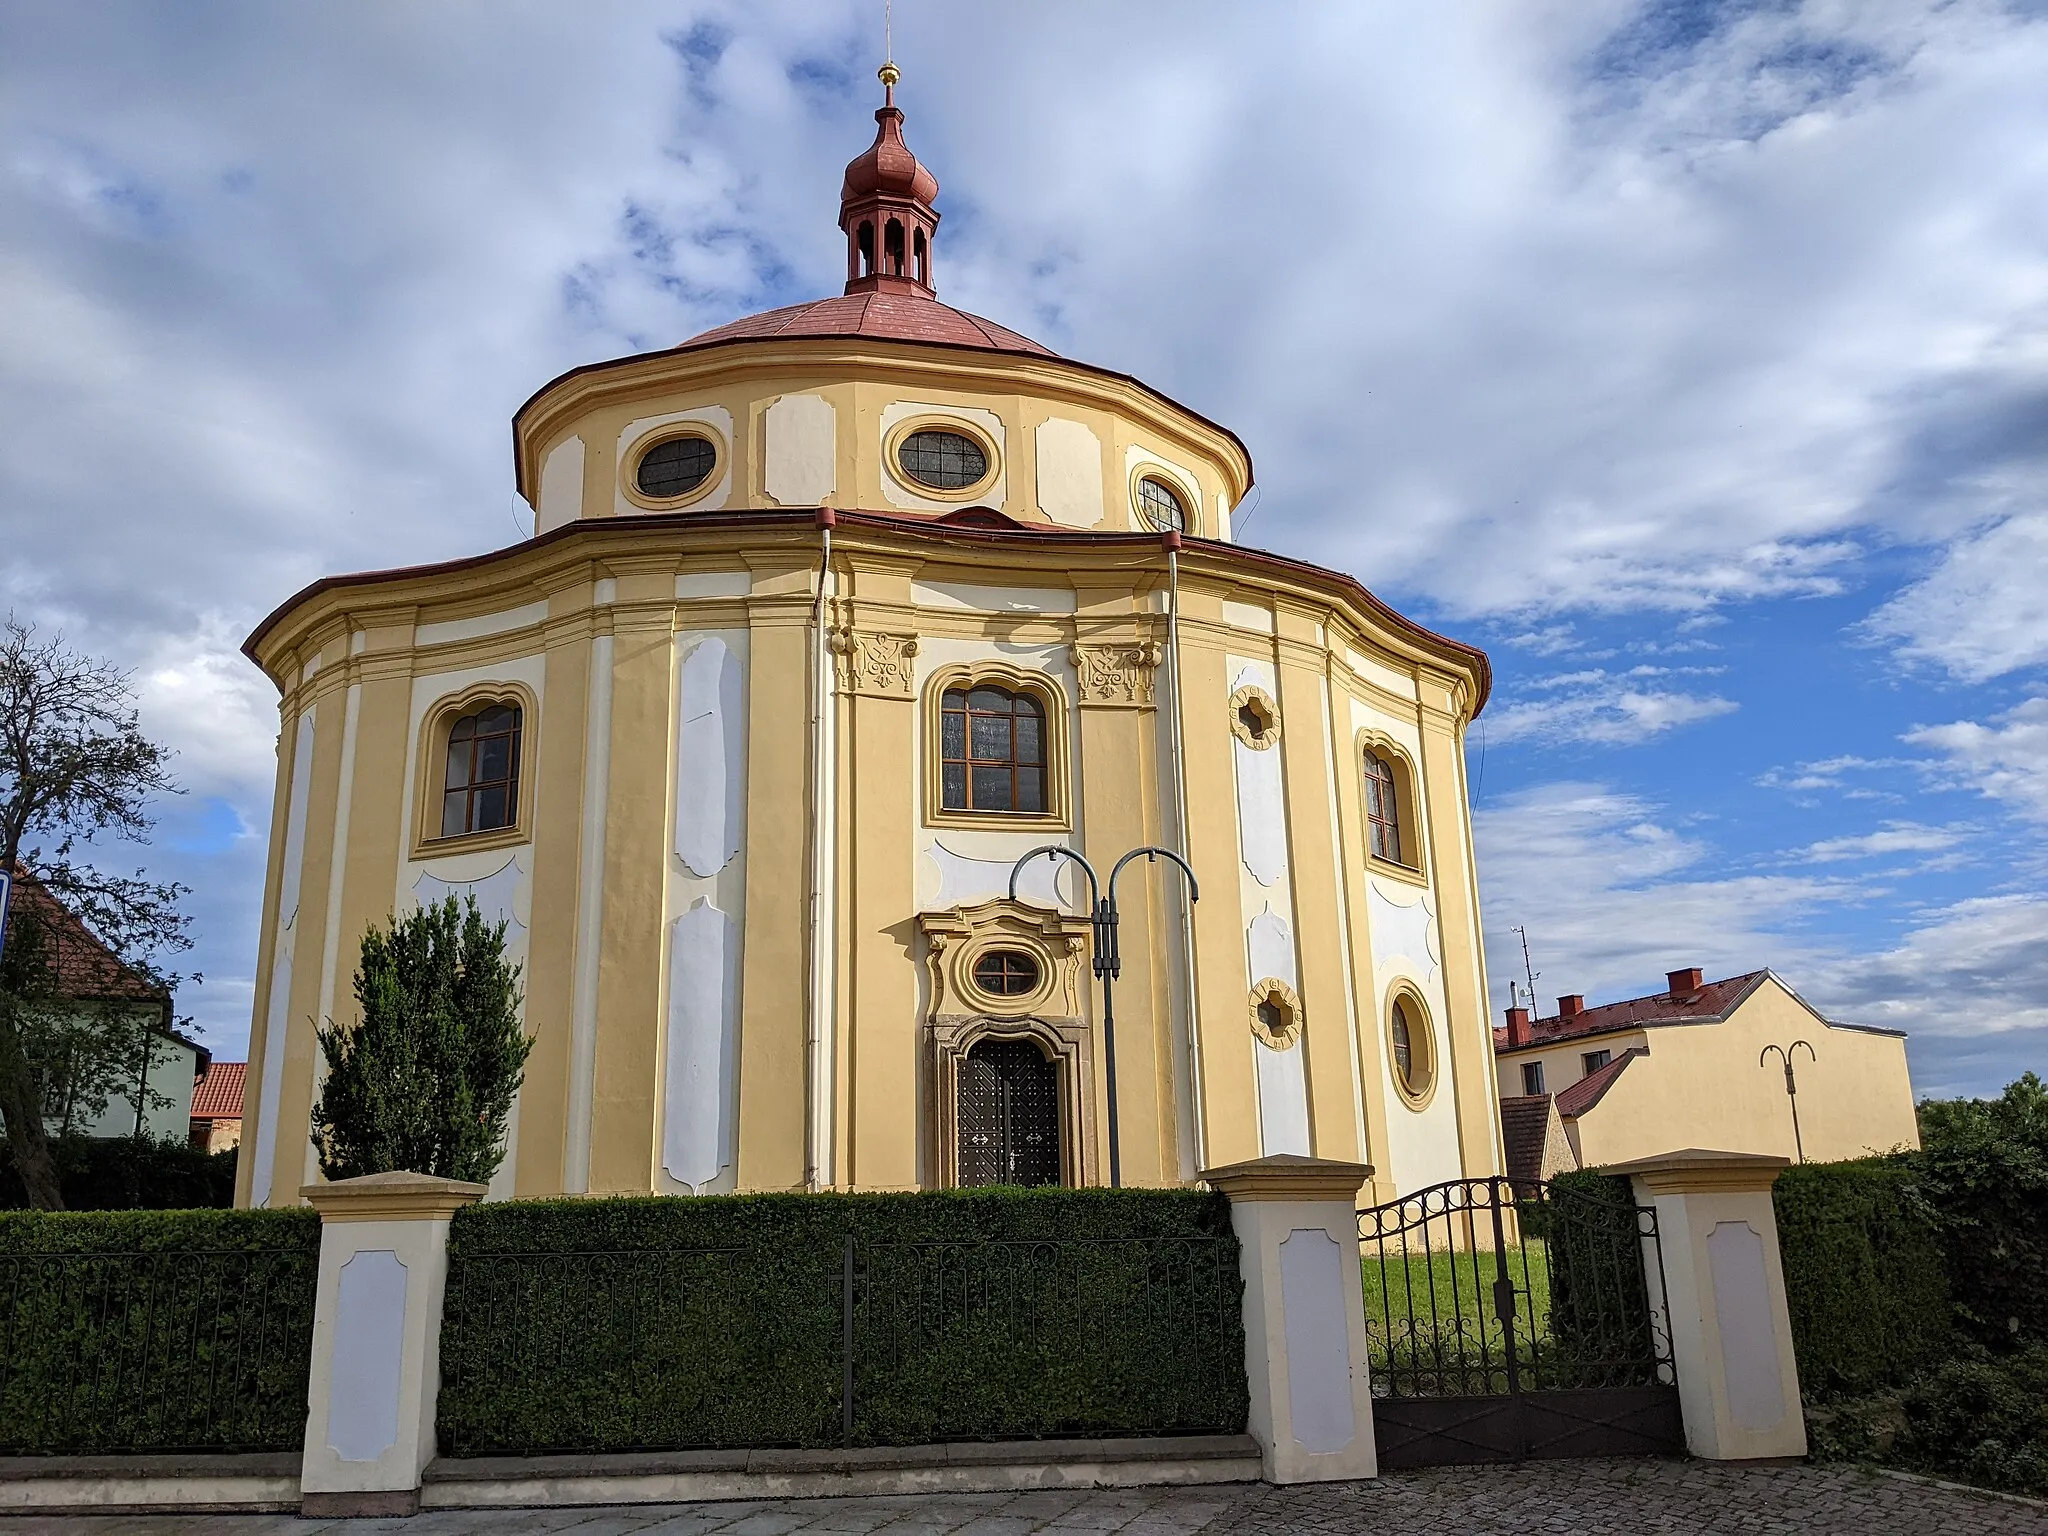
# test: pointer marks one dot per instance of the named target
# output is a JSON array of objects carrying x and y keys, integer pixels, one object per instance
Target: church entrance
[{"x": 1009, "y": 1115}]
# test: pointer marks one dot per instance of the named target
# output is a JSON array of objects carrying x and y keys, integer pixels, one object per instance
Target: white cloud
[
  {"x": 1983, "y": 611},
  {"x": 1616, "y": 709},
  {"x": 1613, "y": 899},
  {"x": 2006, "y": 760},
  {"x": 1893, "y": 837}
]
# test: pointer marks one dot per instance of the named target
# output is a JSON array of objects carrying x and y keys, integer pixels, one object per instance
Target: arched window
[
  {"x": 992, "y": 751},
  {"x": 923, "y": 262},
  {"x": 1161, "y": 504},
  {"x": 867, "y": 249},
  {"x": 1382, "y": 809},
  {"x": 480, "y": 789},
  {"x": 892, "y": 249}
]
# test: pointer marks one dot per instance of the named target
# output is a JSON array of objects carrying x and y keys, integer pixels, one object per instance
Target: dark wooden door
[{"x": 1009, "y": 1115}]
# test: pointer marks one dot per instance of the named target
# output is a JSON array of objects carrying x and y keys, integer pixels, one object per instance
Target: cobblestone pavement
[{"x": 1611, "y": 1498}]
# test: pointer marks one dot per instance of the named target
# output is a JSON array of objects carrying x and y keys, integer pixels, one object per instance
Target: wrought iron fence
[
  {"x": 188, "y": 1350},
  {"x": 1481, "y": 1287},
  {"x": 884, "y": 1343}
]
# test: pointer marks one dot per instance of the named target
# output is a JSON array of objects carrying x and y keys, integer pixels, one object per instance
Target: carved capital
[
  {"x": 870, "y": 661},
  {"x": 1115, "y": 674}
]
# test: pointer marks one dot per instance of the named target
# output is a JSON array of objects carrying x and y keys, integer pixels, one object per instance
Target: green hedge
[
  {"x": 122, "y": 1173},
  {"x": 653, "y": 1323},
  {"x": 1866, "y": 1273},
  {"x": 155, "y": 1330}
]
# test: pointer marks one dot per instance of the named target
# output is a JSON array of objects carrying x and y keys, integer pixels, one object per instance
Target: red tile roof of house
[
  {"x": 1590, "y": 1089},
  {"x": 883, "y": 316},
  {"x": 1714, "y": 1000},
  {"x": 87, "y": 969},
  {"x": 218, "y": 1093}
]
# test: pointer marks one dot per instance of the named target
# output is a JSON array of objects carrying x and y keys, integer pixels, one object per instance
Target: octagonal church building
[{"x": 830, "y": 616}]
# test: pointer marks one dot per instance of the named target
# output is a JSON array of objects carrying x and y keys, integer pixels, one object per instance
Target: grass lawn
[{"x": 1433, "y": 1315}]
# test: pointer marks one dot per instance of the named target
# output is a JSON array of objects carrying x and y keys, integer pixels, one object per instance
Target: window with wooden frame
[
  {"x": 1393, "y": 827},
  {"x": 1382, "y": 809},
  {"x": 472, "y": 772},
  {"x": 995, "y": 746},
  {"x": 480, "y": 781},
  {"x": 991, "y": 751}
]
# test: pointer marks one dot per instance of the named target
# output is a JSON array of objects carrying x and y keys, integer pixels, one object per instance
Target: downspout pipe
[
  {"x": 815, "y": 1009},
  {"x": 1169, "y": 540}
]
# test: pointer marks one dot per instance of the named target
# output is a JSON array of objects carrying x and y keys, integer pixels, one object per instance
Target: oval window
[
  {"x": 943, "y": 461},
  {"x": 1006, "y": 973},
  {"x": 676, "y": 467},
  {"x": 1161, "y": 504},
  {"x": 1413, "y": 1068}
]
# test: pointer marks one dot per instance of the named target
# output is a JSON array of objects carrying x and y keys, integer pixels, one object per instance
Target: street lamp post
[
  {"x": 1791, "y": 1084},
  {"x": 1108, "y": 962}
]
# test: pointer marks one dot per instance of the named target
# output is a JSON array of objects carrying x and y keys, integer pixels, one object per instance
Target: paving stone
[{"x": 1557, "y": 1498}]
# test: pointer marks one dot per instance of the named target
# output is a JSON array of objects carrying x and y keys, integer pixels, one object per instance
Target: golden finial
[{"x": 888, "y": 74}]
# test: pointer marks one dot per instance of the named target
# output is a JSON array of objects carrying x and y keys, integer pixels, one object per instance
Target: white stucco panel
[
  {"x": 1314, "y": 1322},
  {"x": 716, "y": 417},
  {"x": 502, "y": 896},
  {"x": 1404, "y": 929},
  {"x": 1069, "y": 473},
  {"x": 475, "y": 628},
  {"x": 1372, "y": 671},
  {"x": 802, "y": 450},
  {"x": 948, "y": 879},
  {"x": 1261, "y": 812},
  {"x": 710, "y": 771},
  {"x": 973, "y": 599},
  {"x": 703, "y": 1018},
  {"x": 1283, "y": 1099},
  {"x": 1269, "y": 949},
  {"x": 1747, "y": 1325},
  {"x": 561, "y": 485},
  {"x": 714, "y": 584},
  {"x": 295, "y": 822},
  {"x": 369, "y": 1356}
]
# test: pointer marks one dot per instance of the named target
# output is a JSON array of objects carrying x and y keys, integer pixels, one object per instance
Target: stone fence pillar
[
  {"x": 1724, "y": 1296},
  {"x": 1304, "y": 1315},
  {"x": 376, "y": 1340}
]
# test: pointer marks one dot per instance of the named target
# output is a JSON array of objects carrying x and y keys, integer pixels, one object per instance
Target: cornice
[{"x": 785, "y": 541}]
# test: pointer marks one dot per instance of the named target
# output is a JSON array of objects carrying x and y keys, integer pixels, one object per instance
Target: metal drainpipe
[
  {"x": 1170, "y": 541},
  {"x": 815, "y": 1009}
]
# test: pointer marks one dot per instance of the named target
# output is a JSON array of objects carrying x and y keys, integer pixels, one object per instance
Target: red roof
[
  {"x": 86, "y": 969},
  {"x": 1713, "y": 1001},
  {"x": 1524, "y": 1129},
  {"x": 1590, "y": 1089},
  {"x": 218, "y": 1093},
  {"x": 883, "y": 316}
]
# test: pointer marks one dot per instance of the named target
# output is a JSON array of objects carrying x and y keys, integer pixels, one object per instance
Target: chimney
[
  {"x": 1571, "y": 1005},
  {"x": 1518, "y": 1027},
  {"x": 1684, "y": 982}
]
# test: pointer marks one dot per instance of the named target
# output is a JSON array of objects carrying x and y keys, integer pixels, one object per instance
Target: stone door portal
[{"x": 1009, "y": 1115}]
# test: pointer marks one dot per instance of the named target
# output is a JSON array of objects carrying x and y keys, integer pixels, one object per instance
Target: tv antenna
[{"x": 1527, "y": 969}]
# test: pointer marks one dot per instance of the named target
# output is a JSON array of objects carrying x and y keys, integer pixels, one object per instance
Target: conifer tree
[{"x": 424, "y": 1081}]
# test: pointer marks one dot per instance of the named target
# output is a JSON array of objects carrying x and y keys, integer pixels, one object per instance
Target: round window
[
  {"x": 676, "y": 467},
  {"x": 1414, "y": 1070},
  {"x": 1006, "y": 973},
  {"x": 944, "y": 461},
  {"x": 1162, "y": 504}
]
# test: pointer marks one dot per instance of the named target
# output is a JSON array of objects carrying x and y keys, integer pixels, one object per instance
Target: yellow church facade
[{"x": 830, "y": 617}]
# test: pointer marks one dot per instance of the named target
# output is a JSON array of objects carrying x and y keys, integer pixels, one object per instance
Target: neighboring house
[
  {"x": 217, "y": 1106},
  {"x": 1533, "y": 1142},
  {"x": 1681, "y": 1069},
  {"x": 91, "y": 976}
]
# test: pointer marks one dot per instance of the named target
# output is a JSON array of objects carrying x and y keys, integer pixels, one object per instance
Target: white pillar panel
[
  {"x": 709, "y": 776},
  {"x": 703, "y": 1015},
  {"x": 369, "y": 1350},
  {"x": 561, "y": 485},
  {"x": 801, "y": 433},
  {"x": 1318, "y": 1377}
]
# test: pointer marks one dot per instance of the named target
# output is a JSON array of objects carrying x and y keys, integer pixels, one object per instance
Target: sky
[{"x": 1690, "y": 357}]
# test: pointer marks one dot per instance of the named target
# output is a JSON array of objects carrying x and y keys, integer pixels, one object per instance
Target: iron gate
[{"x": 1514, "y": 1320}]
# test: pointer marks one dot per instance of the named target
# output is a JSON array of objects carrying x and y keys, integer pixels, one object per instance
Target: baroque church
[{"x": 831, "y": 617}]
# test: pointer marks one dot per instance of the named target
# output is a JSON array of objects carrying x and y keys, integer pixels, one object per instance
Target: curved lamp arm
[
  {"x": 1150, "y": 854},
  {"x": 1056, "y": 851}
]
